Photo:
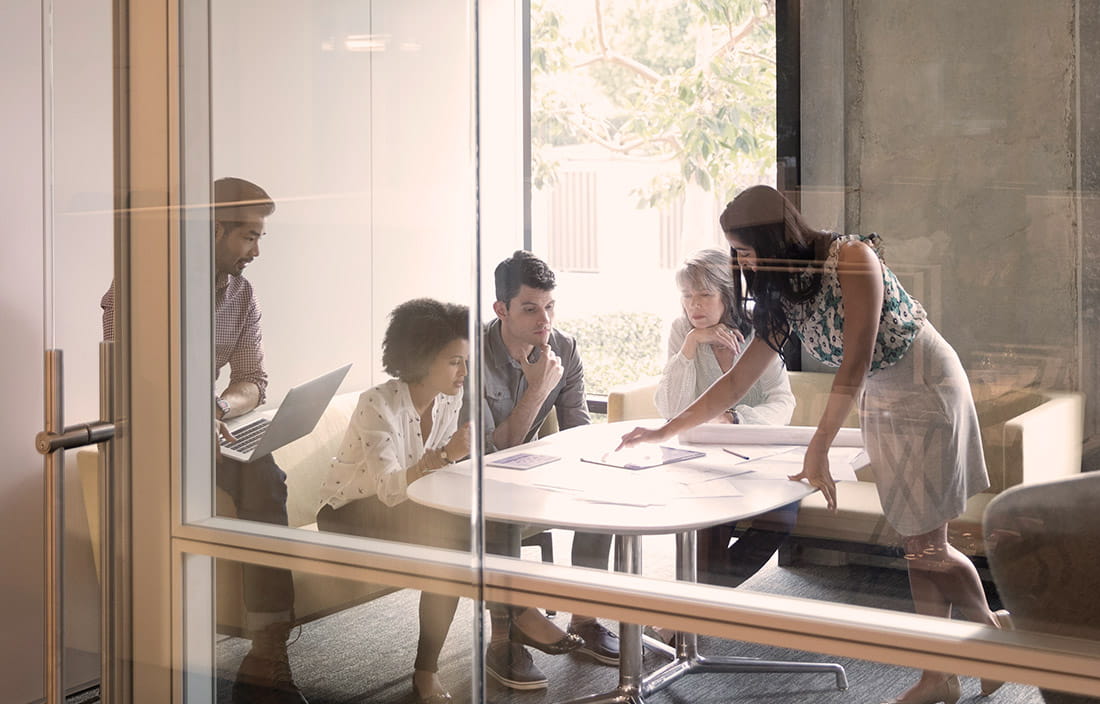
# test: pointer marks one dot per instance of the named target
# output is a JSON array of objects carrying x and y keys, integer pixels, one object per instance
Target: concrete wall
[
  {"x": 959, "y": 146},
  {"x": 1089, "y": 187}
]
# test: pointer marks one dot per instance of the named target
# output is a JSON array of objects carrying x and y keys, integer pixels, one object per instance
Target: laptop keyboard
[{"x": 248, "y": 436}]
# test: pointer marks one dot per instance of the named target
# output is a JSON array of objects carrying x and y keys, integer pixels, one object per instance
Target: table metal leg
[
  {"x": 687, "y": 659},
  {"x": 628, "y": 558},
  {"x": 634, "y": 685}
]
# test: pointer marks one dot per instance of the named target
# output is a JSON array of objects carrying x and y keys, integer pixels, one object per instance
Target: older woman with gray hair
[
  {"x": 707, "y": 341},
  {"x": 704, "y": 344}
]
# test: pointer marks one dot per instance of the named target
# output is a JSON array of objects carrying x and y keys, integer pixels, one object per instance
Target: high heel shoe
[
  {"x": 947, "y": 692},
  {"x": 567, "y": 643},
  {"x": 438, "y": 698},
  {"x": 1004, "y": 622}
]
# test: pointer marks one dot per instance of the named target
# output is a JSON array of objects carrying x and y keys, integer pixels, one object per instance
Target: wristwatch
[
  {"x": 733, "y": 415},
  {"x": 222, "y": 406},
  {"x": 444, "y": 456}
]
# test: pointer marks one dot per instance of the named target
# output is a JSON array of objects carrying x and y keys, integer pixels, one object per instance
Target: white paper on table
[
  {"x": 843, "y": 462},
  {"x": 609, "y": 485},
  {"x": 690, "y": 473},
  {"x": 717, "y": 488},
  {"x": 731, "y": 434}
]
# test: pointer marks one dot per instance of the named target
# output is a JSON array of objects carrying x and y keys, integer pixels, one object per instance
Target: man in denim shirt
[{"x": 531, "y": 369}]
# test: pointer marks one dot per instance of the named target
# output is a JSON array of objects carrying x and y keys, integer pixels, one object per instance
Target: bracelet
[{"x": 436, "y": 462}]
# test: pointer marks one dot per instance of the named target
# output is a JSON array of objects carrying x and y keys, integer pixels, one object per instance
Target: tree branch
[
  {"x": 639, "y": 68},
  {"x": 629, "y": 146},
  {"x": 599, "y": 27},
  {"x": 754, "y": 55},
  {"x": 606, "y": 54},
  {"x": 736, "y": 36}
]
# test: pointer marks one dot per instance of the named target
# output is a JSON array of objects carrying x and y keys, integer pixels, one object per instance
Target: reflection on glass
[
  {"x": 349, "y": 641},
  {"x": 364, "y": 138},
  {"x": 360, "y": 652},
  {"x": 332, "y": 107}
]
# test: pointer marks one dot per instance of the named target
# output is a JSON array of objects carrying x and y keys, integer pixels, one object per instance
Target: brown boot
[{"x": 264, "y": 676}]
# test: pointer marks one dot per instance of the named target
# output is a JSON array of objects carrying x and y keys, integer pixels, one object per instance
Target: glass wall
[
  {"x": 327, "y": 241},
  {"x": 380, "y": 150}
]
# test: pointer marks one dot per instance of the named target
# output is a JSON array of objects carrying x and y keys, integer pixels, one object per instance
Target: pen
[{"x": 736, "y": 454}]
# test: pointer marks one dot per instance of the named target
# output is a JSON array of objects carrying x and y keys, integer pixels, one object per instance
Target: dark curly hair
[
  {"x": 419, "y": 329},
  {"x": 522, "y": 269},
  {"x": 786, "y": 248}
]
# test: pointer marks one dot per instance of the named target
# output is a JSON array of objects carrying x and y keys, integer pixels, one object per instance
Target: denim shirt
[{"x": 505, "y": 384}]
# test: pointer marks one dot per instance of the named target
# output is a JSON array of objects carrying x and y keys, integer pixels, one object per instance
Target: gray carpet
[{"x": 364, "y": 655}]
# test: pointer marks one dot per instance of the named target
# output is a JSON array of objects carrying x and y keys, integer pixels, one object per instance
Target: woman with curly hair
[
  {"x": 402, "y": 430},
  {"x": 920, "y": 428}
]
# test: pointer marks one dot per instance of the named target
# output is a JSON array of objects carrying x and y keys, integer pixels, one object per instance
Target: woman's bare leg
[{"x": 940, "y": 578}]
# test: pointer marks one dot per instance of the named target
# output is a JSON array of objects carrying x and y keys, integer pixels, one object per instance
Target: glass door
[{"x": 75, "y": 182}]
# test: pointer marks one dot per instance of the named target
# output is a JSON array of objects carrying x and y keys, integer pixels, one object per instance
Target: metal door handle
[
  {"x": 56, "y": 436},
  {"x": 75, "y": 436}
]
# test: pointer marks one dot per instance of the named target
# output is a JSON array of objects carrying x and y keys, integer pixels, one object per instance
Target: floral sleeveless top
[{"x": 819, "y": 321}]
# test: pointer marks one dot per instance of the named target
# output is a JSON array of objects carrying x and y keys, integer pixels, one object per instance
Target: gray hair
[{"x": 712, "y": 270}]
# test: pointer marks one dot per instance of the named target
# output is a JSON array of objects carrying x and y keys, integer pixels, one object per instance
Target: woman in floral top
[{"x": 920, "y": 428}]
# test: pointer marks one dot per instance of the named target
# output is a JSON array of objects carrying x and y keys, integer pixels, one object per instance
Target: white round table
[{"x": 576, "y": 494}]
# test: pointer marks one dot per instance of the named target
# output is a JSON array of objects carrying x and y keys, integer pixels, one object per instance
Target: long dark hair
[{"x": 789, "y": 254}]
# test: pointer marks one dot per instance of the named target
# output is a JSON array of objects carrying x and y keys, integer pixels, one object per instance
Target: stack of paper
[{"x": 729, "y": 434}]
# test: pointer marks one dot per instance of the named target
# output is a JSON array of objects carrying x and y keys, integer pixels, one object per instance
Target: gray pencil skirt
[{"x": 922, "y": 436}]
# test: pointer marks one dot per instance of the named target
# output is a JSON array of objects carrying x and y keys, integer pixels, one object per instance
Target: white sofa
[{"x": 1028, "y": 436}]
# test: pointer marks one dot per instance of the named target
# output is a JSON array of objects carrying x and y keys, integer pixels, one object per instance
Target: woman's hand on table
[
  {"x": 640, "y": 435},
  {"x": 815, "y": 470}
]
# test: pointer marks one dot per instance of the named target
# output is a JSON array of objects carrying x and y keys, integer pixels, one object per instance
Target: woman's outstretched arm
[
  {"x": 859, "y": 273},
  {"x": 722, "y": 394}
]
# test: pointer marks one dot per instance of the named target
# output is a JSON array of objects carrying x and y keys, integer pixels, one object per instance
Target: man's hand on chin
[{"x": 544, "y": 373}]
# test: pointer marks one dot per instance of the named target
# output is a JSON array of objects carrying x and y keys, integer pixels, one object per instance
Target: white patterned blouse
[{"x": 382, "y": 441}]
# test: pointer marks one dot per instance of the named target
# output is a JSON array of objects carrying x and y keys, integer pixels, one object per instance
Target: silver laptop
[{"x": 298, "y": 414}]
